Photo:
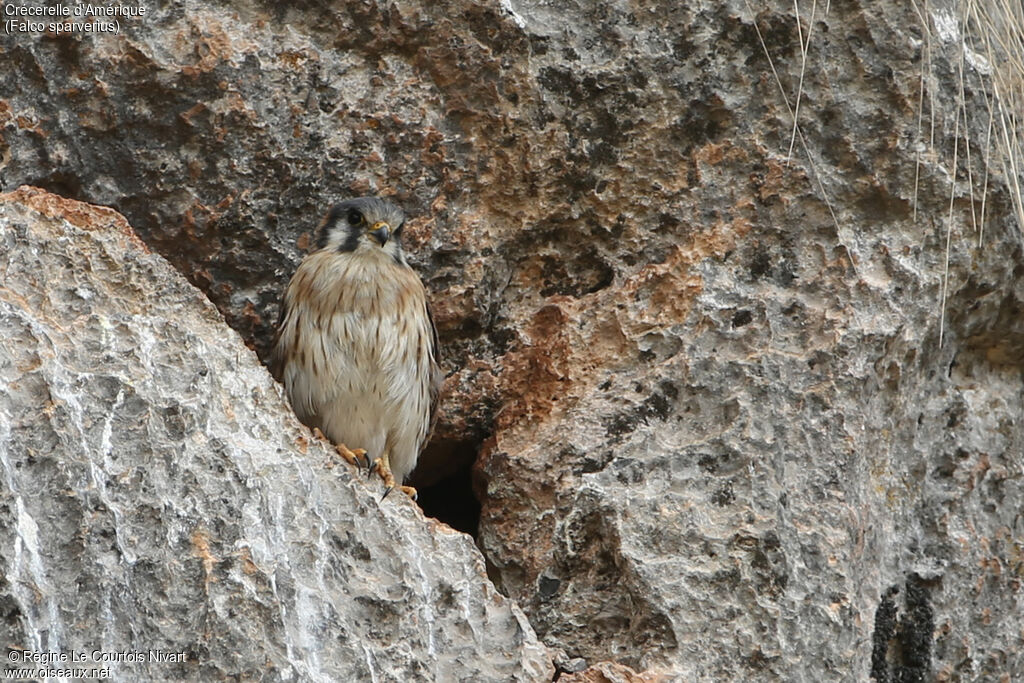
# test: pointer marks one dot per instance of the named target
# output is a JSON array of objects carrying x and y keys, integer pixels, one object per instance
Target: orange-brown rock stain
[{"x": 81, "y": 215}]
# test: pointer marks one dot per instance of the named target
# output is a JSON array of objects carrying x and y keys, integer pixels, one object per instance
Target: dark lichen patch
[
  {"x": 878, "y": 205},
  {"x": 724, "y": 463},
  {"x": 629, "y": 471},
  {"x": 593, "y": 462},
  {"x": 619, "y": 425},
  {"x": 348, "y": 545},
  {"x": 760, "y": 264},
  {"x": 10, "y": 612},
  {"x": 708, "y": 463},
  {"x": 778, "y": 264},
  {"x": 902, "y": 643},
  {"x": 547, "y": 586},
  {"x": 658, "y": 405},
  {"x": 705, "y": 120},
  {"x": 724, "y": 495},
  {"x": 769, "y": 566},
  {"x": 576, "y": 275},
  {"x": 741, "y": 318},
  {"x": 885, "y": 630}
]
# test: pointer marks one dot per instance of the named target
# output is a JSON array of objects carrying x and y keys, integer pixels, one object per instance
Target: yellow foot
[
  {"x": 352, "y": 457},
  {"x": 383, "y": 469}
]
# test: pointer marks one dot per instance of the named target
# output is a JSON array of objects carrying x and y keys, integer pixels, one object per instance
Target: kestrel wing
[
  {"x": 276, "y": 354},
  {"x": 436, "y": 374}
]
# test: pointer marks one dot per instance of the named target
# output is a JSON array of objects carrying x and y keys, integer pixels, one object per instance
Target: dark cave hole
[
  {"x": 444, "y": 481},
  {"x": 63, "y": 184}
]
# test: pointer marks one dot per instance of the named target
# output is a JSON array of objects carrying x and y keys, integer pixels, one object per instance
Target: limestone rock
[
  {"x": 159, "y": 495},
  {"x": 610, "y": 672},
  {"x": 744, "y": 399}
]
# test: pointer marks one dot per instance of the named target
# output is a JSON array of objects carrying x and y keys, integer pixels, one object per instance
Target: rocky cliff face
[
  {"x": 742, "y": 399},
  {"x": 159, "y": 496}
]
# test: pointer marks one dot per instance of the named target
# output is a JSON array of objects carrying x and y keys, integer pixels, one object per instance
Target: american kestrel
[{"x": 356, "y": 346}]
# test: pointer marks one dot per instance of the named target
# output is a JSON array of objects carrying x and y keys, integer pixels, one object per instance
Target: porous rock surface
[
  {"x": 745, "y": 403},
  {"x": 158, "y": 495}
]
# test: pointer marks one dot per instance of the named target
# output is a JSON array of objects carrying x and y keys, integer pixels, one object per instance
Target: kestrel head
[{"x": 364, "y": 225}]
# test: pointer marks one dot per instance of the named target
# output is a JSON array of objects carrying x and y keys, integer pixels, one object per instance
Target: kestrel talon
[{"x": 356, "y": 347}]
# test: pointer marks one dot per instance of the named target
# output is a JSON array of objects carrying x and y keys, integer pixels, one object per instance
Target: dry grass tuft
[
  {"x": 995, "y": 31},
  {"x": 987, "y": 39},
  {"x": 991, "y": 44}
]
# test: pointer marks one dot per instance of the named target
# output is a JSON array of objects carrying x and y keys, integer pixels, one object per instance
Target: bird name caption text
[{"x": 80, "y": 17}]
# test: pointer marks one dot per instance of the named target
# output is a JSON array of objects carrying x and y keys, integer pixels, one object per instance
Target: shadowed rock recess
[{"x": 724, "y": 402}]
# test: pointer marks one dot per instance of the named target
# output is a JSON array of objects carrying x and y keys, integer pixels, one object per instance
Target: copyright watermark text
[{"x": 83, "y": 664}]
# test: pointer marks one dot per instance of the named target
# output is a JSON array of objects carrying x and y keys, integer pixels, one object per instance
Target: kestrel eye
[{"x": 354, "y": 217}]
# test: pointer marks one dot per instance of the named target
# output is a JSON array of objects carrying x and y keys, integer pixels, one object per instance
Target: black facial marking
[
  {"x": 396, "y": 235},
  {"x": 333, "y": 221},
  {"x": 330, "y": 220},
  {"x": 350, "y": 243},
  {"x": 353, "y": 215}
]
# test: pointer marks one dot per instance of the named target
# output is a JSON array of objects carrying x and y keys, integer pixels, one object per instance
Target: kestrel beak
[{"x": 380, "y": 232}]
